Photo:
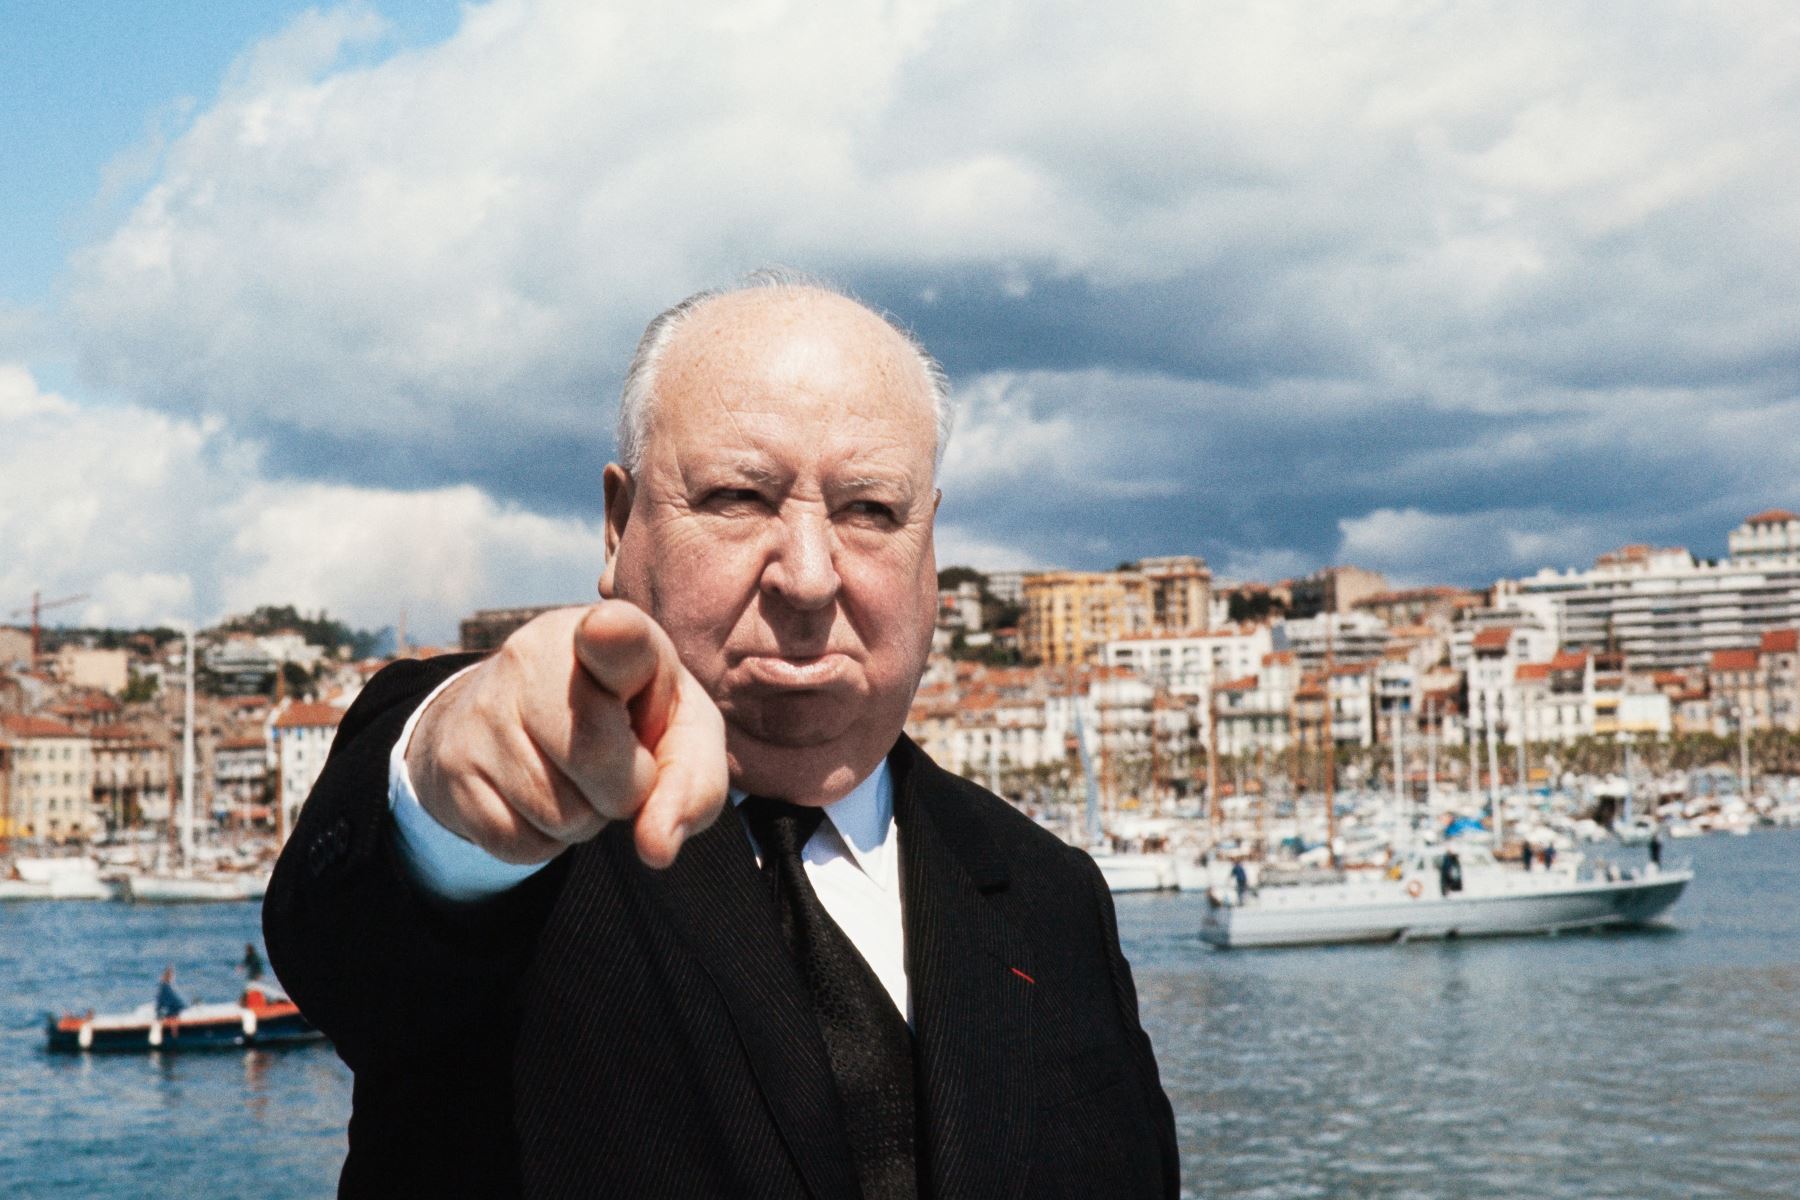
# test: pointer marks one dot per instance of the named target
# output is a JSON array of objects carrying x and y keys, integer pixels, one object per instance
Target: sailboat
[
  {"x": 186, "y": 883},
  {"x": 1123, "y": 871}
]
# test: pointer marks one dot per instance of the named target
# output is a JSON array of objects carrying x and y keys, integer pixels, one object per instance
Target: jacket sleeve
[
  {"x": 1143, "y": 1055},
  {"x": 390, "y": 973}
]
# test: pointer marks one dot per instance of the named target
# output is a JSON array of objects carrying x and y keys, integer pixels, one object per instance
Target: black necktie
[{"x": 866, "y": 1037}]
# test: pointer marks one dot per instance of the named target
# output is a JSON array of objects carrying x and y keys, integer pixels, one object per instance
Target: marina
[{"x": 1645, "y": 1063}]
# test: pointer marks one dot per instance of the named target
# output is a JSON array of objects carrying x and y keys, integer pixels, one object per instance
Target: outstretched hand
[{"x": 583, "y": 717}]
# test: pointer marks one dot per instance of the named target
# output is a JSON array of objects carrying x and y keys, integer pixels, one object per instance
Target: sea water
[{"x": 1641, "y": 1064}]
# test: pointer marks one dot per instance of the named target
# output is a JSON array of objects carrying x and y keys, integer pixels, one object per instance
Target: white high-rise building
[{"x": 1666, "y": 611}]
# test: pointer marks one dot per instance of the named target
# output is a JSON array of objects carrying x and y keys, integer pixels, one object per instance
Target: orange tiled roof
[
  {"x": 309, "y": 716},
  {"x": 1781, "y": 641},
  {"x": 116, "y": 733},
  {"x": 1496, "y": 638},
  {"x": 37, "y": 727},
  {"x": 1526, "y": 671},
  {"x": 1733, "y": 660},
  {"x": 1772, "y": 516},
  {"x": 1569, "y": 660}
]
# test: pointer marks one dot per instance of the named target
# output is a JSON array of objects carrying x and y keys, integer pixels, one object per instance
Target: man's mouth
[{"x": 796, "y": 672}]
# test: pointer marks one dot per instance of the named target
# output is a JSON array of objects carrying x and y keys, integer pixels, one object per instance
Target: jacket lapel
[
  {"x": 716, "y": 899},
  {"x": 971, "y": 991}
]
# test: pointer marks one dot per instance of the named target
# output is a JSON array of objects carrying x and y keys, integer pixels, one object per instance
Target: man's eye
[
  {"x": 732, "y": 497},
  {"x": 872, "y": 508}
]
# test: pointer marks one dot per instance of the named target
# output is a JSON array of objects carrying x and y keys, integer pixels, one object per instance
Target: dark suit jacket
[{"x": 609, "y": 1030}]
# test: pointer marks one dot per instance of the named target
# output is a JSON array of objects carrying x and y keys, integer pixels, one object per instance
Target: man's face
[{"x": 779, "y": 529}]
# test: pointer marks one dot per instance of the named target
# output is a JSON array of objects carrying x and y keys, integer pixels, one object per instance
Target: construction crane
[{"x": 38, "y": 605}]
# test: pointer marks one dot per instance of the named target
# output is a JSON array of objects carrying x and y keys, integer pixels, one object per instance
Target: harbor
[{"x": 1645, "y": 1063}]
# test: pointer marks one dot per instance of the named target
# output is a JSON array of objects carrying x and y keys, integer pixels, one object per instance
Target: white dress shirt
[{"x": 852, "y": 861}]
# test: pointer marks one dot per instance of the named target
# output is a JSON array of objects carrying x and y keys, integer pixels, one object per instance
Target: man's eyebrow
[
  {"x": 867, "y": 483},
  {"x": 753, "y": 470}
]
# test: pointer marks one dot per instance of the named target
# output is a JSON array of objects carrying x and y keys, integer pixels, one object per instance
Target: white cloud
[
  {"x": 1264, "y": 564},
  {"x": 1273, "y": 281},
  {"x": 960, "y": 547},
  {"x": 158, "y": 518},
  {"x": 1001, "y": 438},
  {"x": 464, "y": 239},
  {"x": 1416, "y": 547}
]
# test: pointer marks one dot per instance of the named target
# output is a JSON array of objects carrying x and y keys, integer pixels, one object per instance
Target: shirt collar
[{"x": 863, "y": 819}]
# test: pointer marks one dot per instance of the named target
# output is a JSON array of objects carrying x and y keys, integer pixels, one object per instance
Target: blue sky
[
  {"x": 89, "y": 86},
  {"x": 328, "y": 305}
]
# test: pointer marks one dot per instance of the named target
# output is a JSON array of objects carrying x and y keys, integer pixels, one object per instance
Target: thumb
[{"x": 629, "y": 655}]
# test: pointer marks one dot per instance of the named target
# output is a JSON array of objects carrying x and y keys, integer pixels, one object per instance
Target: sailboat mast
[
  {"x": 1330, "y": 619},
  {"x": 1212, "y": 757},
  {"x": 1493, "y": 766},
  {"x": 1431, "y": 743},
  {"x": 1087, "y": 768},
  {"x": 187, "y": 756},
  {"x": 1399, "y": 761}
]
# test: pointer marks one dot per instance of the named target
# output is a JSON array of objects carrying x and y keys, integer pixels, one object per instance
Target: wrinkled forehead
[{"x": 759, "y": 361}]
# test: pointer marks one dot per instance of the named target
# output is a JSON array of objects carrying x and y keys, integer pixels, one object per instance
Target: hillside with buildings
[{"x": 1180, "y": 682}]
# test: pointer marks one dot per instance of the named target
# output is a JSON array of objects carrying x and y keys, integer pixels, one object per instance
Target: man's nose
[{"x": 801, "y": 570}]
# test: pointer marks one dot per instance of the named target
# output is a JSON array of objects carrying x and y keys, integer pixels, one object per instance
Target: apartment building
[
  {"x": 131, "y": 769},
  {"x": 1187, "y": 664},
  {"x": 1418, "y": 606},
  {"x": 1555, "y": 699},
  {"x": 240, "y": 774},
  {"x": 1348, "y": 636},
  {"x": 1180, "y": 587},
  {"x": 1071, "y": 615},
  {"x": 1256, "y": 713},
  {"x": 1334, "y": 590},
  {"x": 1664, "y": 610},
  {"x": 50, "y": 792},
  {"x": 301, "y": 735},
  {"x": 1756, "y": 685}
]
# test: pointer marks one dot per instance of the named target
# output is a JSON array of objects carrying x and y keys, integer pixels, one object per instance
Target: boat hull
[
  {"x": 175, "y": 889},
  {"x": 1384, "y": 913},
  {"x": 257, "y": 1022},
  {"x": 1126, "y": 873}
]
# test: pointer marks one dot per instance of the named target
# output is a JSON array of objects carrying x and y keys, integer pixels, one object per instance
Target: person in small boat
[
  {"x": 1656, "y": 847},
  {"x": 1450, "y": 873},
  {"x": 252, "y": 964},
  {"x": 169, "y": 1002}
]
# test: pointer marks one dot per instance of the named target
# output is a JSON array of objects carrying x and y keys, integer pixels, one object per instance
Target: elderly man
[{"x": 657, "y": 900}]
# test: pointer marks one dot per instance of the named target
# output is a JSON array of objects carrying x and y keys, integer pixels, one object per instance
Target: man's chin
[
  {"x": 808, "y": 765},
  {"x": 793, "y": 722}
]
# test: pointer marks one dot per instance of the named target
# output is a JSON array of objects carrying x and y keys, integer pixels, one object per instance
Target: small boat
[
  {"x": 56, "y": 879},
  {"x": 1127, "y": 872},
  {"x": 263, "y": 1016},
  {"x": 1408, "y": 902},
  {"x": 179, "y": 887}
]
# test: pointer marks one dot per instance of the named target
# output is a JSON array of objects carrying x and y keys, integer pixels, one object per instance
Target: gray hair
[{"x": 640, "y": 376}]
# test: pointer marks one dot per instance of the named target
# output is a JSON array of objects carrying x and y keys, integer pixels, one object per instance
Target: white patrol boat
[{"x": 1410, "y": 900}]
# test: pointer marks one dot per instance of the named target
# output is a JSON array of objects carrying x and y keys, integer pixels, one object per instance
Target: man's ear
[{"x": 619, "y": 495}]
